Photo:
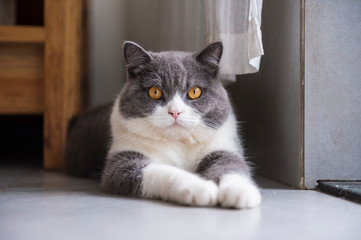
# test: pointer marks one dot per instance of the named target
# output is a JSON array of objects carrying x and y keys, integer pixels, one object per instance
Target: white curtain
[
  {"x": 189, "y": 25},
  {"x": 236, "y": 24}
]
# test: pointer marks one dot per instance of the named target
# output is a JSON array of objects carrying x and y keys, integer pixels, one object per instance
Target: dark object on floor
[{"x": 350, "y": 190}]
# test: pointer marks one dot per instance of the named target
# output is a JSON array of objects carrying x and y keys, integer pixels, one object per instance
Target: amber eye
[
  {"x": 155, "y": 93},
  {"x": 194, "y": 93}
]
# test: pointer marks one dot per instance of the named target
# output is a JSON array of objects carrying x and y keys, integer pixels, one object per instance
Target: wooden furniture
[{"x": 40, "y": 72}]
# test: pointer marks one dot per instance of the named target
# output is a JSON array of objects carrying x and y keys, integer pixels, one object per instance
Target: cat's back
[{"x": 88, "y": 142}]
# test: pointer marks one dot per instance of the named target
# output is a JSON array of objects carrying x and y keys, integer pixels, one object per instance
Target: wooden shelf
[
  {"x": 22, "y": 34},
  {"x": 41, "y": 70}
]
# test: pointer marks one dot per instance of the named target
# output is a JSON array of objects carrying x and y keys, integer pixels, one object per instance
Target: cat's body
[
  {"x": 173, "y": 133},
  {"x": 88, "y": 142}
]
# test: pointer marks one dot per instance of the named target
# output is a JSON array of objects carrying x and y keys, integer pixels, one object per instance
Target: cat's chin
[
  {"x": 186, "y": 134},
  {"x": 176, "y": 131}
]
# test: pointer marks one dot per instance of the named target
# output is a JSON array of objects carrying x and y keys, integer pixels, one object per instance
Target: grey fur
[
  {"x": 218, "y": 163},
  {"x": 123, "y": 173},
  {"x": 177, "y": 72},
  {"x": 88, "y": 142}
]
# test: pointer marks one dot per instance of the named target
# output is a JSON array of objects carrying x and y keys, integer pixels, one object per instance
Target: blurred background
[{"x": 299, "y": 110}]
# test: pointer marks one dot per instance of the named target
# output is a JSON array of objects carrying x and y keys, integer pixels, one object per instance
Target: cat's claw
[{"x": 237, "y": 191}]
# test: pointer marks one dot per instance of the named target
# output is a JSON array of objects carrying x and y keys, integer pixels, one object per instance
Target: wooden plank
[
  {"x": 62, "y": 75},
  {"x": 21, "y": 78},
  {"x": 21, "y": 60},
  {"x": 22, "y": 34},
  {"x": 21, "y": 96}
]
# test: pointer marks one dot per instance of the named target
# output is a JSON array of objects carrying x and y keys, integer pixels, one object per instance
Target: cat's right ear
[{"x": 135, "y": 57}]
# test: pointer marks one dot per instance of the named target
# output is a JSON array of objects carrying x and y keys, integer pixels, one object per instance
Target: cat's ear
[
  {"x": 135, "y": 57},
  {"x": 211, "y": 56}
]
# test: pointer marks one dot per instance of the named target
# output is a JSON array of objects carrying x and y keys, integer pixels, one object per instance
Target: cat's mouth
[
  {"x": 183, "y": 123},
  {"x": 176, "y": 125}
]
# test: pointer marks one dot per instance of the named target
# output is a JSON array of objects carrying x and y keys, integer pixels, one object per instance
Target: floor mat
[{"x": 350, "y": 190}]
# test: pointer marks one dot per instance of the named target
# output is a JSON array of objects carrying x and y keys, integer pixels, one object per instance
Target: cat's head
[{"x": 174, "y": 93}]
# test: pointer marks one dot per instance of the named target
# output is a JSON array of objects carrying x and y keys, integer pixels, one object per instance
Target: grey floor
[{"x": 35, "y": 204}]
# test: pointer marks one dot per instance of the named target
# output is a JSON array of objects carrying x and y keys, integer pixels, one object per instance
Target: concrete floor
[{"x": 35, "y": 204}]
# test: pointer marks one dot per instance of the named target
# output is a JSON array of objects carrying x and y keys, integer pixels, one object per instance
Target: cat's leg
[
  {"x": 236, "y": 187},
  {"x": 132, "y": 174},
  {"x": 123, "y": 173}
]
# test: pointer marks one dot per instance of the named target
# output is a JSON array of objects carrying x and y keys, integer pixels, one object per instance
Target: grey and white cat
[{"x": 171, "y": 134}]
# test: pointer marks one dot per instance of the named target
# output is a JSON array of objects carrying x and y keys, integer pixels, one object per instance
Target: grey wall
[
  {"x": 106, "y": 64},
  {"x": 268, "y": 103},
  {"x": 161, "y": 25},
  {"x": 333, "y": 90}
]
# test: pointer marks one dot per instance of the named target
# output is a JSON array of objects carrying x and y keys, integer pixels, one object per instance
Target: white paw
[
  {"x": 195, "y": 193},
  {"x": 176, "y": 185},
  {"x": 237, "y": 191}
]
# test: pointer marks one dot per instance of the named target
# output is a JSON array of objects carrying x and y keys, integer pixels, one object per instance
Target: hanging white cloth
[
  {"x": 236, "y": 24},
  {"x": 189, "y": 25}
]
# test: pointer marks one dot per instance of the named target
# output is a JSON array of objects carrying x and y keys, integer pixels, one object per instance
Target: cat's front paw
[
  {"x": 198, "y": 193},
  {"x": 237, "y": 191}
]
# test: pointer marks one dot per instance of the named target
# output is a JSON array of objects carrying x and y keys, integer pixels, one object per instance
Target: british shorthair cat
[{"x": 171, "y": 134}]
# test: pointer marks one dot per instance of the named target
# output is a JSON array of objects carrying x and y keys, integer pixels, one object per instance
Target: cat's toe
[
  {"x": 185, "y": 197},
  {"x": 205, "y": 194},
  {"x": 236, "y": 191},
  {"x": 249, "y": 197}
]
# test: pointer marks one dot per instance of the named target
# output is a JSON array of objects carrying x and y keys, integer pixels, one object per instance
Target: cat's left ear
[
  {"x": 211, "y": 56},
  {"x": 136, "y": 57}
]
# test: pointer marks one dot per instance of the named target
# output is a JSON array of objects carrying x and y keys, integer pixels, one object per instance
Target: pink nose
[{"x": 174, "y": 113}]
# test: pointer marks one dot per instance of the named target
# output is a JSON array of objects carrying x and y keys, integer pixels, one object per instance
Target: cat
[{"x": 171, "y": 134}]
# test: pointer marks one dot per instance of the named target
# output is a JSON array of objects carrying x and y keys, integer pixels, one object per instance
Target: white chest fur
[{"x": 139, "y": 135}]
